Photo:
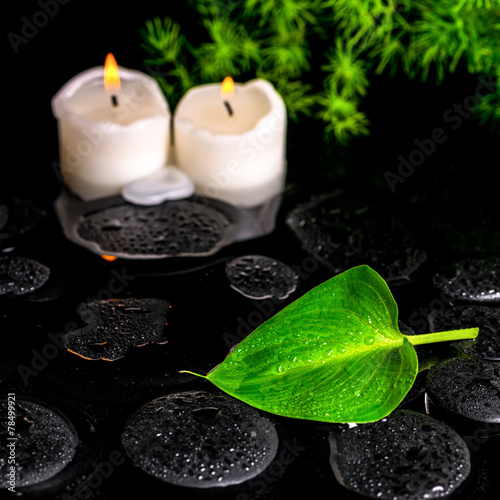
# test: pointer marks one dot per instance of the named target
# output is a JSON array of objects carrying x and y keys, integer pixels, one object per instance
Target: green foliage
[
  {"x": 320, "y": 55},
  {"x": 334, "y": 355}
]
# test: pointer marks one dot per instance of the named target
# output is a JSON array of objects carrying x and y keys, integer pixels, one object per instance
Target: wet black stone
[
  {"x": 406, "y": 456},
  {"x": 176, "y": 228},
  {"x": 487, "y": 319},
  {"x": 18, "y": 217},
  {"x": 416, "y": 394},
  {"x": 471, "y": 280},
  {"x": 260, "y": 277},
  {"x": 468, "y": 388},
  {"x": 21, "y": 276},
  {"x": 199, "y": 440},
  {"x": 342, "y": 231},
  {"x": 114, "y": 326},
  {"x": 45, "y": 443},
  {"x": 4, "y": 214}
]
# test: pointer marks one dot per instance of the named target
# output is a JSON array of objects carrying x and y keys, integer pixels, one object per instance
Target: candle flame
[
  {"x": 111, "y": 74},
  {"x": 227, "y": 88}
]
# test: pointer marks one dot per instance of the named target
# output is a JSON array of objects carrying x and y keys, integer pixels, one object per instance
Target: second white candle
[{"x": 238, "y": 158}]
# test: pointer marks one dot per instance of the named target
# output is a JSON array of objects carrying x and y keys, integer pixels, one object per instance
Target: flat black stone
[
  {"x": 486, "y": 318},
  {"x": 471, "y": 280},
  {"x": 21, "y": 276},
  {"x": 171, "y": 229},
  {"x": 342, "y": 231},
  {"x": 468, "y": 388},
  {"x": 18, "y": 217},
  {"x": 406, "y": 456},
  {"x": 261, "y": 277},
  {"x": 4, "y": 214},
  {"x": 198, "y": 439},
  {"x": 45, "y": 443},
  {"x": 117, "y": 325}
]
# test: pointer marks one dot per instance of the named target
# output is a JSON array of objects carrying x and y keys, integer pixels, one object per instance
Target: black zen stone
[
  {"x": 406, "y": 456},
  {"x": 18, "y": 217},
  {"x": 21, "y": 276},
  {"x": 4, "y": 214},
  {"x": 171, "y": 229},
  {"x": 342, "y": 231},
  {"x": 197, "y": 439},
  {"x": 486, "y": 318},
  {"x": 467, "y": 388},
  {"x": 471, "y": 280},
  {"x": 260, "y": 277},
  {"x": 45, "y": 443},
  {"x": 114, "y": 326}
]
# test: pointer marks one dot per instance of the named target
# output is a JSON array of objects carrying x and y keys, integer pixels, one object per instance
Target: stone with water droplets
[
  {"x": 261, "y": 277},
  {"x": 406, "y": 456},
  {"x": 471, "y": 280},
  {"x": 169, "y": 183},
  {"x": 45, "y": 443},
  {"x": 343, "y": 231},
  {"x": 114, "y": 326},
  {"x": 20, "y": 276},
  {"x": 467, "y": 388},
  {"x": 172, "y": 229},
  {"x": 486, "y": 318},
  {"x": 200, "y": 440}
]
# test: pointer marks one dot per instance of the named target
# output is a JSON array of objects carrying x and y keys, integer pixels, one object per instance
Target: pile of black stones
[{"x": 102, "y": 410}]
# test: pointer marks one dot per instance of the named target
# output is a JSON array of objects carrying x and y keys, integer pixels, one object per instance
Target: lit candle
[
  {"x": 111, "y": 132},
  {"x": 230, "y": 141}
]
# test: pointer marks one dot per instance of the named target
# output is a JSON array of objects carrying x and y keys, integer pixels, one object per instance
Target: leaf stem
[
  {"x": 430, "y": 338},
  {"x": 192, "y": 373}
]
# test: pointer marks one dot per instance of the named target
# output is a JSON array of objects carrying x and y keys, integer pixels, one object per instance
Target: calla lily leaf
[{"x": 334, "y": 355}]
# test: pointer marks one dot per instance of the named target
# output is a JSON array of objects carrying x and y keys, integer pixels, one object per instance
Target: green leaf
[{"x": 334, "y": 355}]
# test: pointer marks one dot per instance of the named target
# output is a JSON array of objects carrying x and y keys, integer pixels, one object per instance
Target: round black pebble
[
  {"x": 45, "y": 443},
  {"x": 487, "y": 344},
  {"x": 406, "y": 456},
  {"x": 471, "y": 280},
  {"x": 468, "y": 388},
  {"x": 342, "y": 231},
  {"x": 200, "y": 440},
  {"x": 20, "y": 276},
  {"x": 260, "y": 277}
]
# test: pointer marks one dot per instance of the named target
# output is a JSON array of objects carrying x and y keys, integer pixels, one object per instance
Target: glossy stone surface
[
  {"x": 467, "y": 388},
  {"x": 486, "y": 318},
  {"x": 200, "y": 440},
  {"x": 406, "y": 456},
  {"x": 20, "y": 276},
  {"x": 176, "y": 228},
  {"x": 342, "y": 231},
  {"x": 471, "y": 280},
  {"x": 45, "y": 443},
  {"x": 18, "y": 216},
  {"x": 261, "y": 277},
  {"x": 117, "y": 325}
]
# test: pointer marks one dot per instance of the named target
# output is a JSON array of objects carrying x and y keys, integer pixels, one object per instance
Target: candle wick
[
  {"x": 114, "y": 100},
  {"x": 228, "y": 107}
]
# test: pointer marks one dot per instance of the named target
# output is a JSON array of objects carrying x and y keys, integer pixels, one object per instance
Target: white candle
[
  {"x": 105, "y": 145},
  {"x": 237, "y": 157}
]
